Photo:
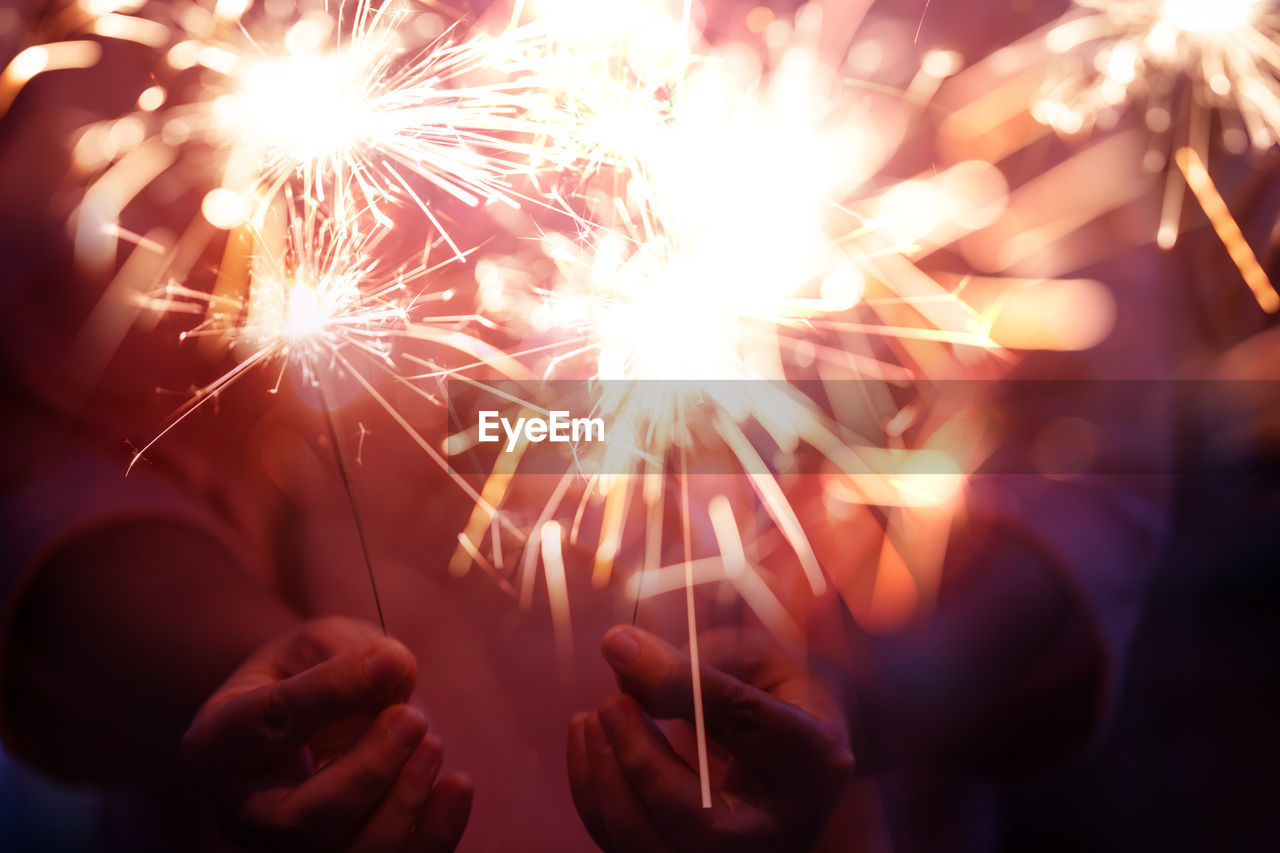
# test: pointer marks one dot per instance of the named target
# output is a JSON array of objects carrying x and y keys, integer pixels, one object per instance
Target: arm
[
  {"x": 301, "y": 739},
  {"x": 130, "y": 628}
]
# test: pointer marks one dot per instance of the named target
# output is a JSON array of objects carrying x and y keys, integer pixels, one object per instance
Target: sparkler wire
[
  {"x": 695, "y": 665},
  {"x": 345, "y": 475}
]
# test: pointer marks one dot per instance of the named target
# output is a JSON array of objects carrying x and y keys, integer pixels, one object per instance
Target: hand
[
  {"x": 784, "y": 748},
  {"x": 309, "y": 745}
]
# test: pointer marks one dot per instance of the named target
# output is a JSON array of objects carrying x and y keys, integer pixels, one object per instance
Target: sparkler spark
[
  {"x": 320, "y": 298},
  {"x": 1115, "y": 53},
  {"x": 728, "y": 233},
  {"x": 688, "y": 296},
  {"x": 358, "y": 114},
  {"x": 1183, "y": 61},
  {"x": 725, "y": 265},
  {"x": 1228, "y": 230},
  {"x": 335, "y": 114},
  {"x": 364, "y": 106},
  {"x": 315, "y": 295}
]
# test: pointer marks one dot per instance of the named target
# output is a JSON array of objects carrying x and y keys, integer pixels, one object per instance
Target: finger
[
  {"x": 754, "y": 659},
  {"x": 668, "y": 788},
  {"x": 261, "y": 725},
  {"x": 737, "y": 653},
  {"x": 445, "y": 819},
  {"x": 325, "y": 637},
  {"x": 339, "y": 796},
  {"x": 629, "y": 826},
  {"x": 581, "y": 784},
  {"x": 391, "y": 823},
  {"x": 753, "y": 725}
]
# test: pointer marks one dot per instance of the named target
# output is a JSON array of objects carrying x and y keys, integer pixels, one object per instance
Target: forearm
[{"x": 131, "y": 628}]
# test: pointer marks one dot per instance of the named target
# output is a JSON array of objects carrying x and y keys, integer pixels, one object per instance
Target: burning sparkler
[
  {"x": 318, "y": 301},
  {"x": 353, "y": 104},
  {"x": 715, "y": 262},
  {"x": 1182, "y": 62},
  {"x": 334, "y": 115},
  {"x": 1116, "y": 53},
  {"x": 729, "y": 261},
  {"x": 728, "y": 235},
  {"x": 361, "y": 113}
]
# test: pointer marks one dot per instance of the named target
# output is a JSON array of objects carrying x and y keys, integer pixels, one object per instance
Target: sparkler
[
  {"x": 728, "y": 233},
  {"x": 339, "y": 108},
  {"x": 1115, "y": 53},
  {"x": 360, "y": 113},
  {"x": 315, "y": 292},
  {"x": 615, "y": 70},
  {"x": 727, "y": 255},
  {"x": 347, "y": 103},
  {"x": 316, "y": 297},
  {"x": 687, "y": 294},
  {"x": 1182, "y": 61}
]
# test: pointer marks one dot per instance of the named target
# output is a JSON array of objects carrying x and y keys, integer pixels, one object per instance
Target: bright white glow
[
  {"x": 305, "y": 315},
  {"x": 1208, "y": 16},
  {"x": 304, "y": 105}
]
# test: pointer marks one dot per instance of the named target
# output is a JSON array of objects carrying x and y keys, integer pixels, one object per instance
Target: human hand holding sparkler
[
  {"x": 309, "y": 745},
  {"x": 786, "y": 760}
]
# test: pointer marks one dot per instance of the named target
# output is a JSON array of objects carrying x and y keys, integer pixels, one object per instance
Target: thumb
[{"x": 755, "y": 726}]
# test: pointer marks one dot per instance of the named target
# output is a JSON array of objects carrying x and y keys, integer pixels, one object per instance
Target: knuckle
[
  {"x": 740, "y": 705},
  {"x": 367, "y": 780},
  {"x": 275, "y": 714},
  {"x": 332, "y": 631},
  {"x": 618, "y": 705},
  {"x": 327, "y": 624},
  {"x": 408, "y": 800},
  {"x": 332, "y": 683},
  {"x": 640, "y": 766},
  {"x": 308, "y": 644}
]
